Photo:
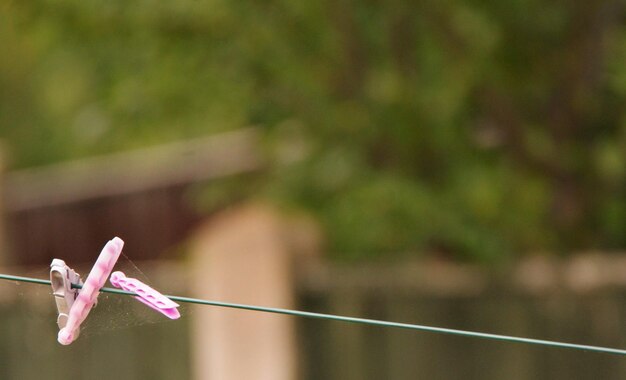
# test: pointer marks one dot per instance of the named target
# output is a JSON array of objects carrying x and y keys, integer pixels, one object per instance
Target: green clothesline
[{"x": 362, "y": 321}]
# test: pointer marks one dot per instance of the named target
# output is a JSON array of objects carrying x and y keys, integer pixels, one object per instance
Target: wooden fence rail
[{"x": 583, "y": 309}]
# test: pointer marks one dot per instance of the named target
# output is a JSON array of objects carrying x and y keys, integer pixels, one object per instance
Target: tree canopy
[{"x": 474, "y": 129}]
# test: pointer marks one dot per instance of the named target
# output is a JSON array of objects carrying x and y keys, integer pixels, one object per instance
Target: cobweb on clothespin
[{"x": 120, "y": 313}]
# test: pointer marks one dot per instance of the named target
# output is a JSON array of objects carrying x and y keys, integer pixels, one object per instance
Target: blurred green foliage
[{"x": 472, "y": 129}]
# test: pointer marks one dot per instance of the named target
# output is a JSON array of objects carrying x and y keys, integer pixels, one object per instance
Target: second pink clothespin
[
  {"x": 146, "y": 294},
  {"x": 88, "y": 294}
]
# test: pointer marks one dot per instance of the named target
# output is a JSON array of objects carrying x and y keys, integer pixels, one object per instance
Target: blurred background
[{"x": 454, "y": 163}]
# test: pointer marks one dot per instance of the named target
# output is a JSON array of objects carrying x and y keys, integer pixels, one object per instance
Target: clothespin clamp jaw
[{"x": 61, "y": 278}]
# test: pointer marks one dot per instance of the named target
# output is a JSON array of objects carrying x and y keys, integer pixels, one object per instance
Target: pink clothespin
[
  {"x": 146, "y": 294},
  {"x": 88, "y": 295}
]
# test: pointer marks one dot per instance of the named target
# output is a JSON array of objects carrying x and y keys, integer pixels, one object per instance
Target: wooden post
[
  {"x": 243, "y": 256},
  {"x": 3, "y": 243}
]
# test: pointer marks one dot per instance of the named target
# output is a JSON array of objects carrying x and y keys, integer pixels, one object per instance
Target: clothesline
[{"x": 361, "y": 321}]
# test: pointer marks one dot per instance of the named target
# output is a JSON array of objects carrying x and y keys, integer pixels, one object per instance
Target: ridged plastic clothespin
[
  {"x": 146, "y": 294},
  {"x": 88, "y": 295},
  {"x": 61, "y": 278}
]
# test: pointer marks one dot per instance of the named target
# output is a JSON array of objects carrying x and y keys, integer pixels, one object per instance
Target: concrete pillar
[{"x": 243, "y": 256}]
